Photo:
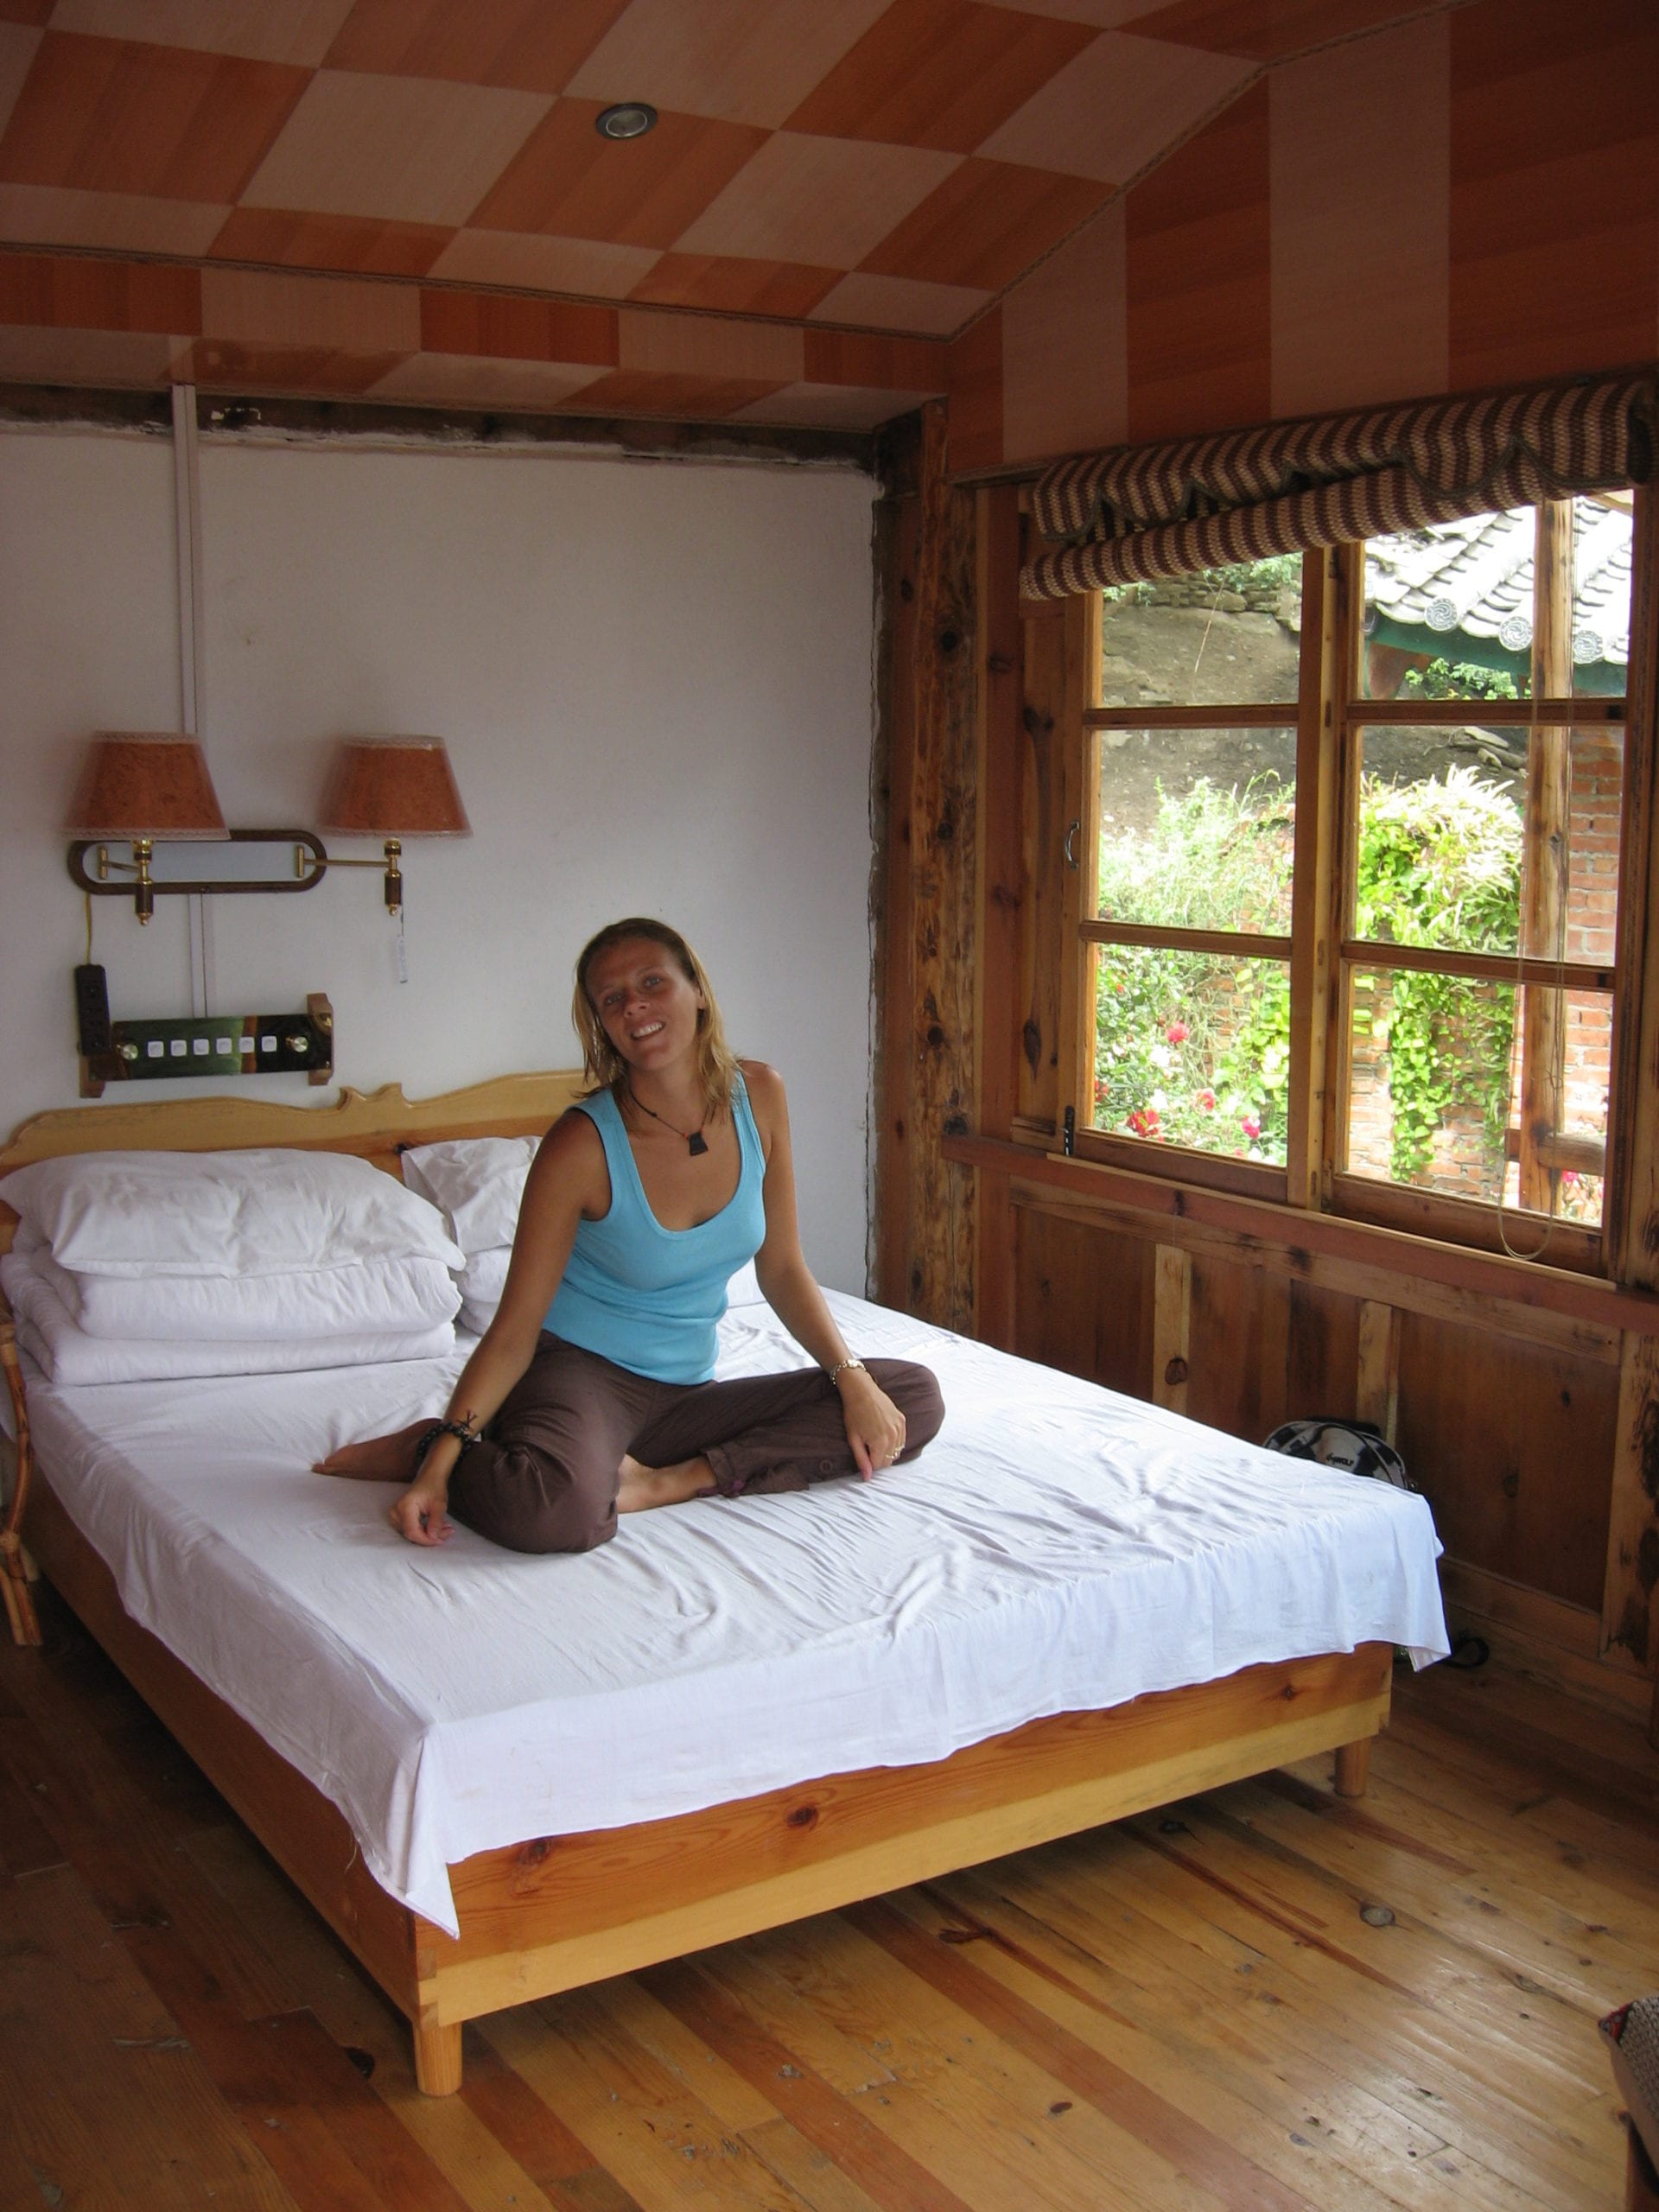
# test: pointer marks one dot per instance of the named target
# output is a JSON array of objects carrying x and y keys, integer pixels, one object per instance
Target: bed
[{"x": 497, "y": 1778}]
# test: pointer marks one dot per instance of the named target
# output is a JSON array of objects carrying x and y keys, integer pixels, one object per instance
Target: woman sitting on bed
[{"x": 590, "y": 1394}]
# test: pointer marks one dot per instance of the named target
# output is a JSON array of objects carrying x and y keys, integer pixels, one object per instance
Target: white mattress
[{"x": 1057, "y": 1548}]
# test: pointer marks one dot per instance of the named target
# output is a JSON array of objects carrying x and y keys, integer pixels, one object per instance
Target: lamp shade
[
  {"x": 145, "y": 783},
  {"x": 393, "y": 787}
]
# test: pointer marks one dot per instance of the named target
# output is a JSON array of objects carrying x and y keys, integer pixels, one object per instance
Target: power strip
[{"x": 220, "y": 1046}]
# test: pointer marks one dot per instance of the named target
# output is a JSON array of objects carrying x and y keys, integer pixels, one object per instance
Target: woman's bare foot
[
  {"x": 377, "y": 1459},
  {"x": 642, "y": 1487}
]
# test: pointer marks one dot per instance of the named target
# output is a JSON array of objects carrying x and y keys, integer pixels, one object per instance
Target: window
[{"x": 1349, "y": 885}]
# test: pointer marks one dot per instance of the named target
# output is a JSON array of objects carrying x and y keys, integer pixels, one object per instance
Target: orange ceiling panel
[
  {"x": 572, "y": 183},
  {"x": 986, "y": 223},
  {"x": 291, "y": 240},
  {"x": 108, "y": 115},
  {"x": 528, "y": 45},
  {"x": 941, "y": 73}
]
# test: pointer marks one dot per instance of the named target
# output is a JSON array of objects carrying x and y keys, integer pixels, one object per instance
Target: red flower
[
  {"x": 1206, "y": 1099},
  {"x": 1144, "y": 1121},
  {"x": 1177, "y": 1033},
  {"x": 1251, "y": 1125}
]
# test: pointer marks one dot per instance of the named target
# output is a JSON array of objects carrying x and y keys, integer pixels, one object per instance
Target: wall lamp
[
  {"x": 390, "y": 787},
  {"x": 136, "y": 787},
  {"x": 151, "y": 789}
]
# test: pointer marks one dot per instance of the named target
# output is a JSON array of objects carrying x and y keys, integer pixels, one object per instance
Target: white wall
[{"x": 654, "y": 683}]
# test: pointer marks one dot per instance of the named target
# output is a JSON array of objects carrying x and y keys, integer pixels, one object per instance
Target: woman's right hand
[{"x": 418, "y": 1515}]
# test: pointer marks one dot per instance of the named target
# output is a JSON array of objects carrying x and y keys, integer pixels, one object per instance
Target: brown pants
[{"x": 545, "y": 1477}]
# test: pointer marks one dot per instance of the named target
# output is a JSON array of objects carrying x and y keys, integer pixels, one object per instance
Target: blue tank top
[{"x": 647, "y": 1297}]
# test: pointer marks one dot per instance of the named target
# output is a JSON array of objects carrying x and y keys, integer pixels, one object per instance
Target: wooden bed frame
[{"x": 549, "y": 1915}]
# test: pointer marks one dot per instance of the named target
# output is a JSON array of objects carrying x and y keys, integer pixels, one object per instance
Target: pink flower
[
  {"x": 1177, "y": 1033},
  {"x": 1251, "y": 1125},
  {"x": 1569, "y": 1177},
  {"x": 1206, "y": 1099}
]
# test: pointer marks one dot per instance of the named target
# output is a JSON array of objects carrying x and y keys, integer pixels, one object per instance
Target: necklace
[{"x": 696, "y": 1143}]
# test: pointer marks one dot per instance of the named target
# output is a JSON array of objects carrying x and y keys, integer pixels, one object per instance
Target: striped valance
[{"x": 1142, "y": 512}]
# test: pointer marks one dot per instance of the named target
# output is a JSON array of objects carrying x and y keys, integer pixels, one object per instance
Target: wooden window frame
[{"x": 1322, "y": 952}]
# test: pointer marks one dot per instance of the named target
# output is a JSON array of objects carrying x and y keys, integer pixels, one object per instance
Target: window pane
[
  {"x": 1197, "y": 828},
  {"x": 1192, "y": 1049},
  {"x": 1601, "y": 593},
  {"x": 1435, "y": 1087},
  {"x": 1443, "y": 853},
  {"x": 1449, "y": 609},
  {"x": 1217, "y": 637}
]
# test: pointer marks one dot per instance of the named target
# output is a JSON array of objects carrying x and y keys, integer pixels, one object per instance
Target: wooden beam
[
  {"x": 1078, "y": 858},
  {"x": 1172, "y": 1326},
  {"x": 1629, "y": 1603},
  {"x": 1052, "y": 631},
  {"x": 898, "y": 550},
  {"x": 937, "y": 815},
  {"x": 1316, "y": 926},
  {"x": 1376, "y": 1390},
  {"x": 1000, "y": 869},
  {"x": 1630, "y": 1216},
  {"x": 1544, "y": 841}
]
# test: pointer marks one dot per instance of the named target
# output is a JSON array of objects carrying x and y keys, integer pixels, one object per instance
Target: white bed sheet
[{"x": 1057, "y": 1548}]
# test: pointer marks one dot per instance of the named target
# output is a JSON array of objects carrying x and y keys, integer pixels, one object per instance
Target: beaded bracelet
[{"x": 468, "y": 1437}]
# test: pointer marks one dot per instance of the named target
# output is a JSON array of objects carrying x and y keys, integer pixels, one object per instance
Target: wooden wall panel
[
  {"x": 1084, "y": 1301},
  {"x": 1554, "y": 187},
  {"x": 1266, "y": 1348},
  {"x": 1044, "y": 736},
  {"x": 1199, "y": 290},
  {"x": 1512, "y": 1444}
]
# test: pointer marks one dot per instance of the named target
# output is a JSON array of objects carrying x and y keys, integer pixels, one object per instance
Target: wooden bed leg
[
  {"x": 1353, "y": 1765},
  {"x": 20, "y": 1600},
  {"x": 437, "y": 2059}
]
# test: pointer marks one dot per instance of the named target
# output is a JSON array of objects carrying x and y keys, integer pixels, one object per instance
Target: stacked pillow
[
  {"x": 134, "y": 1265},
  {"x": 478, "y": 1184}
]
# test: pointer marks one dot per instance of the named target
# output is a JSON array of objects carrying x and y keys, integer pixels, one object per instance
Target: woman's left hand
[{"x": 875, "y": 1428}]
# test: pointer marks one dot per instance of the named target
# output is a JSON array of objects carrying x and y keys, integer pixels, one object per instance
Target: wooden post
[
  {"x": 1316, "y": 922},
  {"x": 927, "y": 1241},
  {"x": 999, "y": 873},
  {"x": 14, "y": 1567},
  {"x": 1172, "y": 1326},
  {"x": 1077, "y": 829},
  {"x": 1377, "y": 1394},
  {"x": 1630, "y": 1204},
  {"x": 1630, "y": 1599},
  {"x": 1543, "y": 1027}
]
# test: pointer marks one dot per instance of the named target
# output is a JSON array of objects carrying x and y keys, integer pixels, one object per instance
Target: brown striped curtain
[{"x": 1142, "y": 512}]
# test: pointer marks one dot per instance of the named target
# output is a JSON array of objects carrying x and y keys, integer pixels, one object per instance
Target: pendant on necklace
[{"x": 695, "y": 1144}]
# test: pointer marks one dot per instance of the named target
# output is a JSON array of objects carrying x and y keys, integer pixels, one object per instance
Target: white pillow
[
  {"x": 372, "y": 1296},
  {"x": 66, "y": 1355},
  {"x": 481, "y": 1282},
  {"x": 222, "y": 1213},
  {"x": 476, "y": 1183}
]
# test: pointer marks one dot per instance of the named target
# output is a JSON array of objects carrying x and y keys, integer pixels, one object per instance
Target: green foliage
[
  {"x": 1191, "y": 1048},
  {"x": 1194, "y": 1049},
  {"x": 1439, "y": 864},
  {"x": 1460, "y": 679}
]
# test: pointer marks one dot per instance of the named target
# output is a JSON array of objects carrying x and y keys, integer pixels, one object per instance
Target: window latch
[{"x": 1071, "y": 845}]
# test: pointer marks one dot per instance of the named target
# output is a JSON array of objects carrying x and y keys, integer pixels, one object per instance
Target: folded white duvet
[
  {"x": 365, "y": 1297},
  {"x": 67, "y": 1353}
]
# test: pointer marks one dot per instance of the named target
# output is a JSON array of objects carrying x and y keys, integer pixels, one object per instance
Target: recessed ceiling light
[{"x": 627, "y": 119}]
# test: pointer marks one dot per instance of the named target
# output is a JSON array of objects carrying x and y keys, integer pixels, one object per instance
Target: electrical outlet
[{"x": 91, "y": 1011}]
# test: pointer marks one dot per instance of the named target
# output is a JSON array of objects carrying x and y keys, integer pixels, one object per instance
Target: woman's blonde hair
[{"x": 603, "y": 1064}]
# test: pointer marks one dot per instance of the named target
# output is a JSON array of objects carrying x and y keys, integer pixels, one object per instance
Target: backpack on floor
[{"x": 1353, "y": 1445}]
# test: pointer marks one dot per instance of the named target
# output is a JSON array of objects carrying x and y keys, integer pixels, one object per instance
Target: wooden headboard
[{"x": 378, "y": 1125}]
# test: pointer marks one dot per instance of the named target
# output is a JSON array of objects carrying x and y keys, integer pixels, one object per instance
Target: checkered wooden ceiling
[{"x": 882, "y": 166}]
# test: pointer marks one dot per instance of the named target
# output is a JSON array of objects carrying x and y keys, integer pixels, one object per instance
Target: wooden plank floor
[{"x": 1263, "y": 1999}]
